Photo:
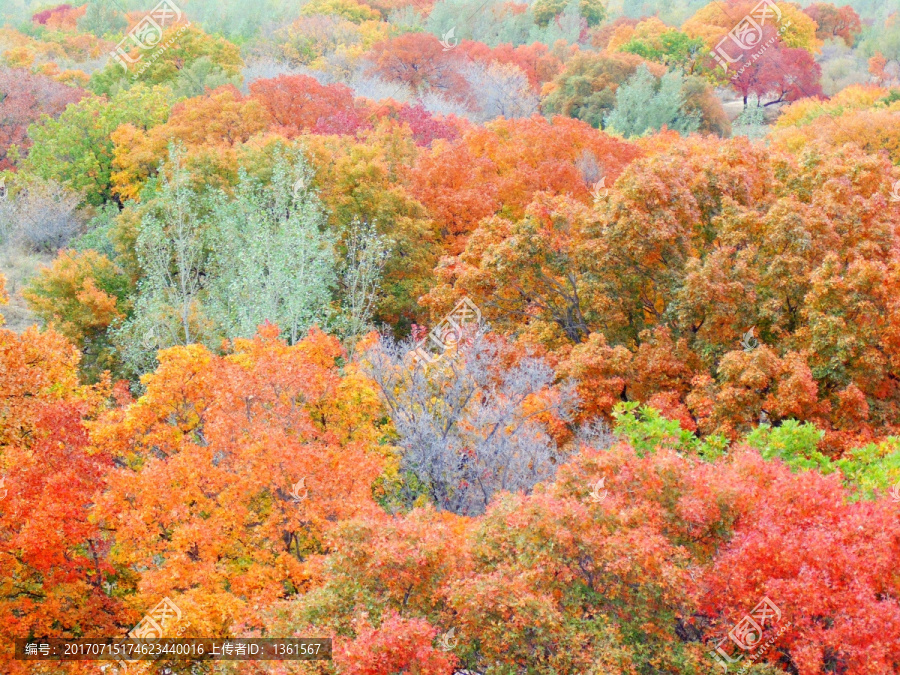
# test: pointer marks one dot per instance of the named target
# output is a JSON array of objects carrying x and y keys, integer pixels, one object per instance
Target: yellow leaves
[
  {"x": 220, "y": 441},
  {"x": 649, "y": 29},
  {"x": 852, "y": 116},
  {"x": 211, "y": 127},
  {"x": 19, "y": 57},
  {"x": 37, "y": 367},
  {"x": 348, "y": 9},
  {"x": 801, "y": 28},
  {"x": 67, "y": 293},
  {"x": 854, "y": 97},
  {"x": 714, "y": 21},
  {"x": 870, "y": 130}
]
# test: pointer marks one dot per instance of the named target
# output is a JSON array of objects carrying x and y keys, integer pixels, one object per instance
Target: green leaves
[
  {"x": 272, "y": 257},
  {"x": 873, "y": 469},
  {"x": 644, "y": 105},
  {"x": 647, "y": 430},
  {"x": 76, "y": 149},
  {"x": 793, "y": 443}
]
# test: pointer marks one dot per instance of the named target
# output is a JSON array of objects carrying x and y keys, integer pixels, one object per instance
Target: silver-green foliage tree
[
  {"x": 173, "y": 257},
  {"x": 645, "y": 105},
  {"x": 360, "y": 277},
  {"x": 272, "y": 257}
]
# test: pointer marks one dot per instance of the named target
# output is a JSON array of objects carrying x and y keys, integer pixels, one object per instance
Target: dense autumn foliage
[
  {"x": 54, "y": 577},
  {"x": 681, "y": 265},
  {"x": 481, "y": 339},
  {"x": 25, "y": 98}
]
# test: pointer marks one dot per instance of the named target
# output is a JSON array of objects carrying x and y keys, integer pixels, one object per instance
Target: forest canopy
[{"x": 479, "y": 338}]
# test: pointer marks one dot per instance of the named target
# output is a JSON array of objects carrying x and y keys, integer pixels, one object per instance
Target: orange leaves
[
  {"x": 601, "y": 373},
  {"x": 754, "y": 386},
  {"x": 419, "y": 61},
  {"x": 692, "y": 247},
  {"x": 37, "y": 368},
  {"x": 556, "y": 577},
  {"x": 83, "y": 293},
  {"x": 236, "y": 468},
  {"x": 221, "y": 117},
  {"x": 52, "y": 555},
  {"x": 833, "y": 22},
  {"x": 872, "y": 131},
  {"x": 406, "y": 562},
  {"x": 535, "y": 60},
  {"x": 503, "y": 166},
  {"x": 211, "y": 127}
]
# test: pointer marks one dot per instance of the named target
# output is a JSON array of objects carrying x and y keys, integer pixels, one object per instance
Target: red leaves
[
  {"x": 299, "y": 104},
  {"x": 426, "y": 128},
  {"x": 419, "y": 61},
  {"x": 828, "y": 564},
  {"x": 398, "y": 645},
  {"x": 26, "y": 97},
  {"x": 832, "y": 21},
  {"x": 53, "y": 556},
  {"x": 780, "y": 73}
]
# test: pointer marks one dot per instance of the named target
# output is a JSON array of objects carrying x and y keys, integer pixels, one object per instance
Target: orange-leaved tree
[
  {"x": 54, "y": 568},
  {"x": 231, "y": 471}
]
